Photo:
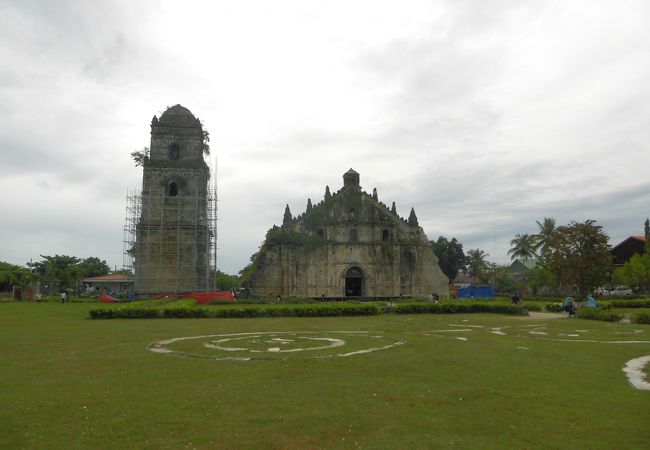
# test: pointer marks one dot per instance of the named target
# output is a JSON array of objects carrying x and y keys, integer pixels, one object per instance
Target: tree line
[
  {"x": 574, "y": 255},
  {"x": 64, "y": 269}
]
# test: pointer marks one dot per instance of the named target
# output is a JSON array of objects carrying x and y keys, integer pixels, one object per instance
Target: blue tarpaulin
[{"x": 476, "y": 291}]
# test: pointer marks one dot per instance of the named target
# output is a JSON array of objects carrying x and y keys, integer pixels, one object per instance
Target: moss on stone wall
[{"x": 282, "y": 236}]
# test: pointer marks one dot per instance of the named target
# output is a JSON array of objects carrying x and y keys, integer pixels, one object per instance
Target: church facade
[{"x": 347, "y": 245}]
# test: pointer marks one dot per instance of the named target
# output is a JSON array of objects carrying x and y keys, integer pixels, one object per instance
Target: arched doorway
[{"x": 354, "y": 282}]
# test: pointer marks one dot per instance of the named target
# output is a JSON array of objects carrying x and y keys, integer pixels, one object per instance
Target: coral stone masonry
[
  {"x": 172, "y": 249},
  {"x": 348, "y": 245}
]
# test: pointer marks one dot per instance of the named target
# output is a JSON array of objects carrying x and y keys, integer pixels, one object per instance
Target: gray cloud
[{"x": 484, "y": 117}]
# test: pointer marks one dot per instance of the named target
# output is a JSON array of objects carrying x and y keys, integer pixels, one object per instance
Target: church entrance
[{"x": 354, "y": 282}]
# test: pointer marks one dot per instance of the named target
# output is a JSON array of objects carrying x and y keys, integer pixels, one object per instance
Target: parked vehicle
[{"x": 620, "y": 291}]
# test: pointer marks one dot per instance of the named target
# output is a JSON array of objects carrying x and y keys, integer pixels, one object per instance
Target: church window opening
[
  {"x": 352, "y": 214},
  {"x": 353, "y": 236},
  {"x": 354, "y": 282},
  {"x": 172, "y": 190},
  {"x": 385, "y": 235},
  {"x": 174, "y": 152},
  {"x": 320, "y": 232}
]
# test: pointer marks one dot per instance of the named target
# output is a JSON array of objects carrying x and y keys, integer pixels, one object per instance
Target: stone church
[
  {"x": 348, "y": 245},
  {"x": 173, "y": 219}
]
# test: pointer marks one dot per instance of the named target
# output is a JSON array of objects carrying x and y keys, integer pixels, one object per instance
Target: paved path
[{"x": 536, "y": 315}]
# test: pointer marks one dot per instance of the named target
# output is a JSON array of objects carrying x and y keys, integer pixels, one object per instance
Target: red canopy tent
[
  {"x": 202, "y": 297},
  {"x": 105, "y": 298}
]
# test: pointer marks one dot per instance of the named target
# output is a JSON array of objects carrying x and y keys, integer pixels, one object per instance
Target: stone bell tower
[{"x": 174, "y": 234}]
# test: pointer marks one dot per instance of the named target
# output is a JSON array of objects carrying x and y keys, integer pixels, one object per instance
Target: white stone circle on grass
[
  {"x": 634, "y": 372},
  {"x": 275, "y": 344},
  {"x": 633, "y": 369}
]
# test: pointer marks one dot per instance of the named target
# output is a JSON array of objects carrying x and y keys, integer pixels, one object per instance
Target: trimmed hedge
[
  {"x": 125, "y": 313},
  {"x": 459, "y": 307},
  {"x": 630, "y": 303},
  {"x": 598, "y": 314},
  {"x": 559, "y": 307},
  {"x": 184, "y": 310}
]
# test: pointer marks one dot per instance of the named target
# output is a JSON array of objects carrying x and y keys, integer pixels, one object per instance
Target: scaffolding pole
[{"x": 170, "y": 242}]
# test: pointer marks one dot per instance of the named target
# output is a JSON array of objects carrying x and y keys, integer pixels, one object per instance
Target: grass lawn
[{"x": 70, "y": 382}]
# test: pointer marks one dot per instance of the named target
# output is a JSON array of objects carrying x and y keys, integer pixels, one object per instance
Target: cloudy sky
[{"x": 484, "y": 116}]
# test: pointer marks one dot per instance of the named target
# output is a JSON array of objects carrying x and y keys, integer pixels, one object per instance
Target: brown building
[
  {"x": 628, "y": 248},
  {"x": 348, "y": 245}
]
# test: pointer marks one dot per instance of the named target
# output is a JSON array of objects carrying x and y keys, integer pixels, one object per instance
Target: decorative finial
[
  {"x": 287, "y": 216},
  {"x": 393, "y": 209},
  {"x": 308, "y": 205},
  {"x": 374, "y": 194},
  {"x": 328, "y": 196},
  {"x": 413, "y": 219}
]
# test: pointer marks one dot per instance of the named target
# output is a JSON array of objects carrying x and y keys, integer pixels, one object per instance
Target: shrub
[
  {"x": 554, "y": 307},
  {"x": 641, "y": 317},
  {"x": 185, "y": 309},
  {"x": 459, "y": 307},
  {"x": 598, "y": 314},
  {"x": 630, "y": 303},
  {"x": 183, "y": 312},
  {"x": 102, "y": 314},
  {"x": 124, "y": 313}
]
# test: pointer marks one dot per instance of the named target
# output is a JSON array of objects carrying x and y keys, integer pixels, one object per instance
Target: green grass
[{"x": 70, "y": 382}]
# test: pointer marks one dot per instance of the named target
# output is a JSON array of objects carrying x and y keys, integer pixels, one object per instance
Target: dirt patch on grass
[{"x": 536, "y": 315}]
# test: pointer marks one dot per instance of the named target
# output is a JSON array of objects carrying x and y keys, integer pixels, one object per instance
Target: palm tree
[
  {"x": 546, "y": 230},
  {"x": 476, "y": 262},
  {"x": 523, "y": 246}
]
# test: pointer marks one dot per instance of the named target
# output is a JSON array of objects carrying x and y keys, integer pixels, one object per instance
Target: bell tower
[{"x": 173, "y": 239}]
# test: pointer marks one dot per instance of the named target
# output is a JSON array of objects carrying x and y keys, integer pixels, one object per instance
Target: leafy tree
[
  {"x": 206, "y": 139},
  {"x": 503, "y": 281},
  {"x": 476, "y": 263},
  {"x": 93, "y": 267},
  {"x": 226, "y": 282},
  {"x": 540, "y": 278},
  {"x": 635, "y": 273},
  {"x": 13, "y": 275},
  {"x": 69, "y": 270},
  {"x": 523, "y": 246},
  {"x": 128, "y": 272},
  {"x": 140, "y": 157},
  {"x": 246, "y": 273},
  {"x": 450, "y": 256},
  {"x": 581, "y": 255}
]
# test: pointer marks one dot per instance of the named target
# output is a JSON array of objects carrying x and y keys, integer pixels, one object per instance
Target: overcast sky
[{"x": 483, "y": 115}]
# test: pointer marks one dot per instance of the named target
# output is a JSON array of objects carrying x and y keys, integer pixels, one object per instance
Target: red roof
[
  {"x": 634, "y": 238},
  {"x": 464, "y": 278},
  {"x": 116, "y": 277}
]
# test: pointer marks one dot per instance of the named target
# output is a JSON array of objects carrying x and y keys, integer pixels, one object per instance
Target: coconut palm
[
  {"x": 476, "y": 262},
  {"x": 546, "y": 230},
  {"x": 523, "y": 246}
]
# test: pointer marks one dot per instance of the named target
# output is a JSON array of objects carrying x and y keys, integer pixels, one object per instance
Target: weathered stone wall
[
  {"x": 294, "y": 271},
  {"x": 172, "y": 236}
]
